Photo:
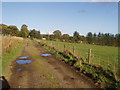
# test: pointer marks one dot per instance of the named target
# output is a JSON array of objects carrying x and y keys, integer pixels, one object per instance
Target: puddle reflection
[
  {"x": 45, "y": 54},
  {"x": 23, "y": 61}
]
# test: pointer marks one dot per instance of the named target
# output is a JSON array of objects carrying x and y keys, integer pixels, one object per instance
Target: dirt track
[{"x": 45, "y": 72}]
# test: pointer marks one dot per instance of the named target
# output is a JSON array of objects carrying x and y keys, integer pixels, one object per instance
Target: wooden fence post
[
  {"x": 80, "y": 63},
  {"x": 64, "y": 47},
  {"x": 89, "y": 55},
  {"x": 73, "y": 50},
  {"x": 51, "y": 44},
  {"x": 58, "y": 46}
]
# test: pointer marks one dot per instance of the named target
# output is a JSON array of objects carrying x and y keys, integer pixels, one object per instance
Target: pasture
[
  {"x": 14, "y": 47},
  {"x": 104, "y": 56}
]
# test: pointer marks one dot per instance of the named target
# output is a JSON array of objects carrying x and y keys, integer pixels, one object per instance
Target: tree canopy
[
  {"x": 66, "y": 37},
  {"x": 35, "y": 34},
  {"x": 76, "y": 36},
  {"x": 91, "y": 38},
  {"x": 24, "y": 28},
  {"x": 13, "y": 30},
  {"x": 22, "y": 34},
  {"x": 57, "y": 34}
]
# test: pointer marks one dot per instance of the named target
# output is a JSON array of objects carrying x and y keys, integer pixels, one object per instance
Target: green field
[{"x": 105, "y": 56}]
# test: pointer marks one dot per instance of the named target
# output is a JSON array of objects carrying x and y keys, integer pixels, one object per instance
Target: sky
[
  {"x": 60, "y": 0},
  {"x": 68, "y": 17}
]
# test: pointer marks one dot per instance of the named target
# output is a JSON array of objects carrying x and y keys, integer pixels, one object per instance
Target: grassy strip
[
  {"x": 41, "y": 66},
  {"x": 102, "y": 77},
  {"x": 11, "y": 55}
]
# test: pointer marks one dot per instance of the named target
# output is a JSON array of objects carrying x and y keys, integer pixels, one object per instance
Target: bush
[{"x": 22, "y": 34}]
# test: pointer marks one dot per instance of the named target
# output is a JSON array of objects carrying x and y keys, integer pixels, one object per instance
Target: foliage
[
  {"x": 57, "y": 34},
  {"x": 13, "y": 30},
  {"x": 24, "y": 28},
  {"x": 66, "y": 37},
  {"x": 89, "y": 37},
  {"x": 34, "y": 34},
  {"x": 101, "y": 76},
  {"x": 76, "y": 36},
  {"x": 105, "y": 39},
  {"x": 9, "y": 30},
  {"x": 23, "y": 34},
  {"x": 104, "y": 56}
]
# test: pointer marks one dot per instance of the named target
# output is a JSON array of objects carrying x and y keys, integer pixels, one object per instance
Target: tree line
[
  {"x": 91, "y": 38},
  {"x": 23, "y": 32}
]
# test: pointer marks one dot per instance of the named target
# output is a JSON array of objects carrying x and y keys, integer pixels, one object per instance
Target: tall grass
[{"x": 13, "y": 51}]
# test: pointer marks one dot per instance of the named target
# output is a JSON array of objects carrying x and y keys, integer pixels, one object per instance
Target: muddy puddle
[
  {"x": 46, "y": 55},
  {"x": 25, "y": 57},
  {"x": 23, "y": 61}
]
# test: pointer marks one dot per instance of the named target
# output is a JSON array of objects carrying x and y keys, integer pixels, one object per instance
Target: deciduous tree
[
  {"x": 57, "y": 34},
  {"x": 76, "y": 36}
]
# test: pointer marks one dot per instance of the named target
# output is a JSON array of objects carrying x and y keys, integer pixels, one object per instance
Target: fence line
[{"x": 86, "y": 54}]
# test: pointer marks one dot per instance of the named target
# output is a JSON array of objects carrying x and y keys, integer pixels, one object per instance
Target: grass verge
[
  {"x": 102, "y": 77},
  {"x": 8, "y": 57}
]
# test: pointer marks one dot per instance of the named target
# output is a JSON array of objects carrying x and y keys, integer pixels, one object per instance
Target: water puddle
[
  {"x": 46, "y": 54},
  {"x": 23, "y": 61},
  {"x": 25, "y": 57},
  {"x": 19, "y": 69}
]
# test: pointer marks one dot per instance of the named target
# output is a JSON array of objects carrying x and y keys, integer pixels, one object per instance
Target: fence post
[
  {"x": 51, "y": 44},
  {"x": 64, "y": 47},
  {"x": 80, "y": 63},
  {"x": 73, "y": 50},
  {"x": 89, "y": 55},
  {"x": 58, "y": 46}
]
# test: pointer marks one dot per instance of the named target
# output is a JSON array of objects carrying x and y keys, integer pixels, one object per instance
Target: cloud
[{"x": 49, "y": 32}]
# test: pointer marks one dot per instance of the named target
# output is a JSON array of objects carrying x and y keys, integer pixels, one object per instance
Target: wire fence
[{"x": 104, "y": 58}]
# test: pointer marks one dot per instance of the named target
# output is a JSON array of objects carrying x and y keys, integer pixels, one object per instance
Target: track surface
[{"x": 45, "y": 72}]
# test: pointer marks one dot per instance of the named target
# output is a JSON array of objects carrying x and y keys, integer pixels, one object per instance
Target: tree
[
  {"x": 76, "y": 36},
  {"x": 89, "y": 37},
  {"x": 35, "y": 34},
  {"x": 99, "y": 37},
  {"x": 94, "y": 40},
  {"x": 51, "y": 37},
  {"x": 57, "y": 34},
  {"x": 13, "y": 30},
  {"x": 66, "y": 37},
  {"x": 22, "y": 34},
  {"x": 5, "y": 30},
  {"x": 25, "y": 29},
  {"x": 71, "y": 39},
  {"x": 83, "y": 39},
  {"x": 117, "y": 40}
]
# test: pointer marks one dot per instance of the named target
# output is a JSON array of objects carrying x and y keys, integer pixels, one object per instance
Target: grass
[
  {"x": 104, "y": 78},
  {"x": 11, "y": 55},
  {"x": 104, "y": 56},
  {"x": 41, "y": 66}
]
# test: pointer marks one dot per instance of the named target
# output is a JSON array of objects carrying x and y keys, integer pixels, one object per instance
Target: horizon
[{"x": 67, "y": 17}]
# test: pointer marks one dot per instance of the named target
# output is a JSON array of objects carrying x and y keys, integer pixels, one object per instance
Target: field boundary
[{"x": 86, "y": 68}]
